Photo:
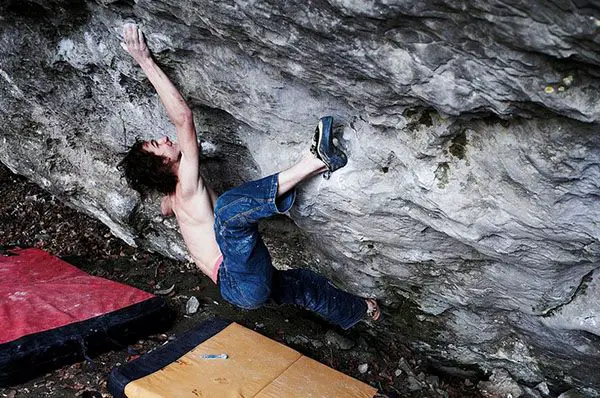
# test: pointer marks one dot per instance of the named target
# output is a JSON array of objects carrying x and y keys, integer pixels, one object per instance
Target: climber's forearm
[{"x": 177, "y": 109}]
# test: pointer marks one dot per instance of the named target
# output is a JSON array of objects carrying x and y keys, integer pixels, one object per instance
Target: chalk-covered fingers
[{"x": 135, "y": 44}]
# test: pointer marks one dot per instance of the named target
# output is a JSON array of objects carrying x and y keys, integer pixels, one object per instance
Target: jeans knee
[
  {"x": 248, "y": 297},
  {"x": 248, "y": 303}
]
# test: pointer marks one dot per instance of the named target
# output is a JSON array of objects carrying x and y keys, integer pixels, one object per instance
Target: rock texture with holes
[{"x": 470, "y": 204}]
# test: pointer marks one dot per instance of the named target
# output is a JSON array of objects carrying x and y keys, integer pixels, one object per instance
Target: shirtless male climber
[{"x": 222, "y": 234}]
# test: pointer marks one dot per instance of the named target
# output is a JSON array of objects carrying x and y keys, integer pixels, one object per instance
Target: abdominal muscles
[{"x": 198, "y": 231}]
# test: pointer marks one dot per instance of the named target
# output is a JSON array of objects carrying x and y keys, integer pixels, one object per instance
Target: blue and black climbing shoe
[{"x": 324, "y": 146}]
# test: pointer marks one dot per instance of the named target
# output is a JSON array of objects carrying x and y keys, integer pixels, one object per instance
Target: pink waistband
[{"x": 215, "y": 270}]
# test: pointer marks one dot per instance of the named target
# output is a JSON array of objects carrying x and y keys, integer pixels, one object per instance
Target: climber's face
[{"x": 164, "y": 148}]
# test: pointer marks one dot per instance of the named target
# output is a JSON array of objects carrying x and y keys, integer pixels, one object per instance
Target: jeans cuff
[
  {"x": 357, "y": 318},
  {"x": 284, "y": 203}
]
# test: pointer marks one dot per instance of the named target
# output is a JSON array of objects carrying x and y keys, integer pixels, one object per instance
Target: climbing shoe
[{"x": 325, "y": 149}]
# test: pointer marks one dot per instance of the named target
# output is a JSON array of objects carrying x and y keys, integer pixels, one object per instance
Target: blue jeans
[{"x": 247, "y": 277}]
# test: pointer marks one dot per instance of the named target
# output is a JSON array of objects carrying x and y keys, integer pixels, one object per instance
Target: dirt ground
[{"x": 30, "y": 216}]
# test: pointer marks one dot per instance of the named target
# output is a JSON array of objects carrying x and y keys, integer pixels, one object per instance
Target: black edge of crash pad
[
  {"x": 163, "y": 356},
  {"x": 35, "y": 354}
]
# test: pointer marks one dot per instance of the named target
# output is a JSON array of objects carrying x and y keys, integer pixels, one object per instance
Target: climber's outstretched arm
[{"x": 177, "y": 109}]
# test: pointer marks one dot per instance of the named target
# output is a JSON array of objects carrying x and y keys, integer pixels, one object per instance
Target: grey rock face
[
  {"x": 500, "y": 385},
  {"x": 470, "y": 203}
]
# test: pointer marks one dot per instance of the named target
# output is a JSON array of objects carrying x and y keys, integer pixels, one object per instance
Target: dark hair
[{"x": 146, "y": 172}]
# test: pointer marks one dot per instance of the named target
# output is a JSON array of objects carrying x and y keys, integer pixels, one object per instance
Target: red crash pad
[
  {"x": 52, "y": 313},
  {"x": 39, "y": 292}
]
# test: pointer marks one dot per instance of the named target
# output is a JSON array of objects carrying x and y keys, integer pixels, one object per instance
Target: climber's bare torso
[{"x": 195, "y": 217}]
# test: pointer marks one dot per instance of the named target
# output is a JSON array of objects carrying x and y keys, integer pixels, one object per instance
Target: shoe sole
[{"x": 321, "y": 131}]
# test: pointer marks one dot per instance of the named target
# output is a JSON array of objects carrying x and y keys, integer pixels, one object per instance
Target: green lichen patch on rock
[{"x": 458, "y": 147}]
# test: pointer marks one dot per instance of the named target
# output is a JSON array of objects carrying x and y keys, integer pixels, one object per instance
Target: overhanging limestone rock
[{"x": 473, "y": 182}]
